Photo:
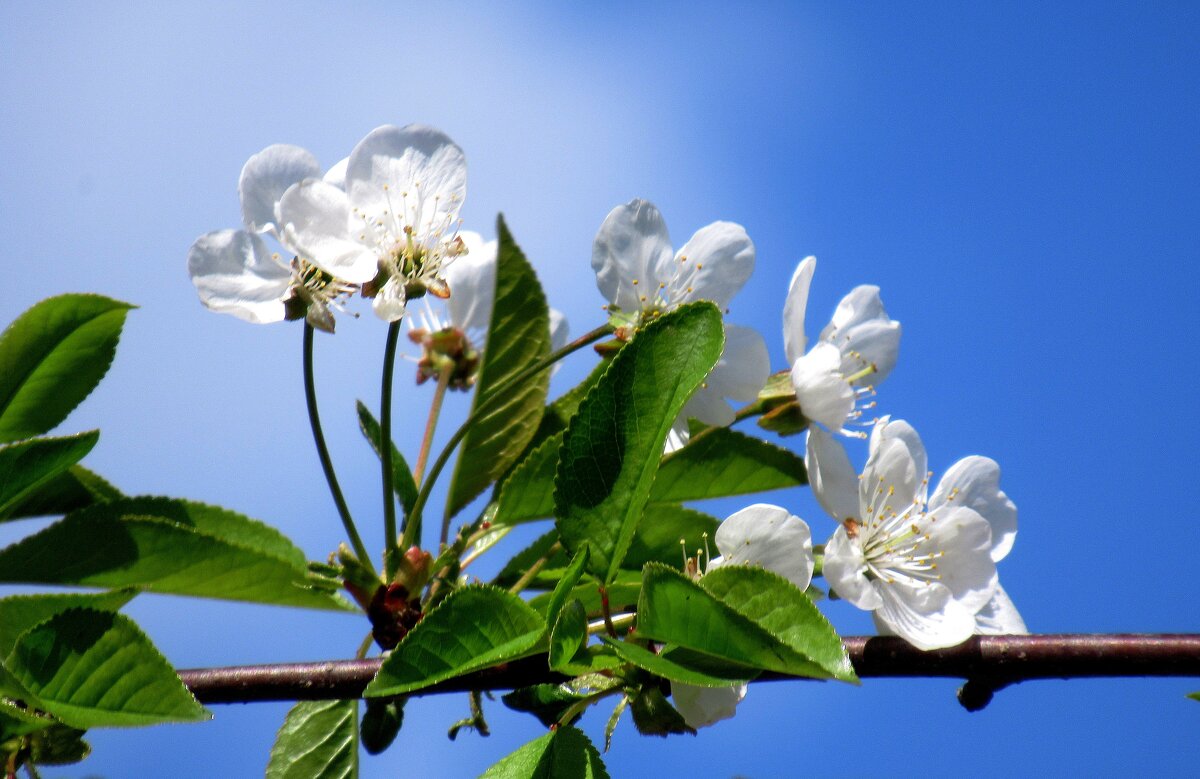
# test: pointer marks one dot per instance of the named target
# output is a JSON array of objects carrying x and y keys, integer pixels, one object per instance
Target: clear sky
[{"x": 1020, "y": 179}]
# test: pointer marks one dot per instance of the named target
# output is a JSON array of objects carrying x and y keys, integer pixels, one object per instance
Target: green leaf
[
  {"x": 473, "y": 628},
  {"x": 169, "y": 546},
  {"x": 30, "y": 465},
  {"x": 653, "y": 714},
  {"x": 71, "y": 490},
  {"x": 568, "y": 581},
  {"x": 94, "y": 668},
  {"x": 528, "y": 492},
  {"x": 52, "y": 357},
  {"x": 18, "y": 613},
  {"x": 611, "y": 726},
  {"x": 1194, "y": 696},
  {"x": 612, "y": 446},
  {"x": 381, "y": 724},
  {"x": 721, "y": 462},
  {"x": 562, "y": 754},
  {"x": 569, "y": 635},
  {"x": 58, "y": 745},
  {"x": 402, "y": 478},
  {"x": 675, "y": 610},
  {"x": 518, "y": 339},
  {"x": 318, "y": 740},
  {"x": 660, "y": 531},
  {"x": 547, "y": 702},
  {"x": 621, "y": 595},
  {"x": 521, "y": 561},
  {"x": 663, "y": 665},
  {"x": 785, "y": 611},
  {"x": 18, "y": 721}
]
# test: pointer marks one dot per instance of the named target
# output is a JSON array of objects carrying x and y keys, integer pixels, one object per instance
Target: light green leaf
[
  {"x": 785, "y": 611},
  {"x": 568, "y": 581},
  {"x": 528, "y": 492},
  {"x": 169, "y": 546},
  {"x": 562, "y": 754},
  {"x": 18, "y": 613},
  {"x": 518, "y": 338},
  {"x": 612, "y": 446},
  {"x": 664, "y": 666},
  {"x": 52, "y": 357},
  {"x": 473, "y": 628},
  {"x": 402, "y": 478},
  {"x": 94, "y": 668},
  {"x": 675, "y": 610},
  {"x": 318, "y": 740},
  {"x": 71, "y": 490},
  {"x": 568, "y": 636},
  {"x": 721, "y": 462},
  {"x": 30, "y": 465}
]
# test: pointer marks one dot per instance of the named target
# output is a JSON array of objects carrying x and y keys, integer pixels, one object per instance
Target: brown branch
[{"x": 988, "y": 663}]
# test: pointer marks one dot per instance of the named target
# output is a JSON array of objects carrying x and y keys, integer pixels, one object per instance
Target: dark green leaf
[
  {"x": 18, "y": 613},
  {"x": 1194, "y": 696},
  {"x": 547, "y": 702},
  {"x": 58, "y": 745},
  {"x": 52, "y": 357},
  {"x": 562, "y": 590},
  {"x": 402, "y": 478},
  {"x": 168, "y": 546},
  {"x": 721, "y": 462},
  {"x": 622, "y": 595},
  {"x": 18, "y": 721},
  {"x": 568, "y": 636},
  {"x": 318, "y": 740},
  {"x": 73, "y": 489},
  {"x": 562, "y": 754},
  {"x": 666, "y": 667},
  {"x": 662, "y": 527},
  {"x": 785, "y": 611},
  {"x": 475, "y": 627},
  {"x": 381, "y": 723},
  {"x": 528, "y": 492},
  {"x": 612, "y": 447},
  {"x": 518, "y": 339},
  {"x": 654, "y": 715},
  {"x": 675, "y": 610},
  {"x": 97, "y": 669},
  {"x": 521, "y": 561},
  {"x": 30, "y": 465}
]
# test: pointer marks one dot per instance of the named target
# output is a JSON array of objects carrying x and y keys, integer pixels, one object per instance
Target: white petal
[
  {"x": 871, "y": 345},
  {"x": 702, "y": 706},
  {"x": 337, "y": 174},
  {"x": 831, "y": 476},
  {"x": 887, "y": 429},
  {"x": 925, "y": 615},
  {"x": 678, "y": 436},
  {"x": 770, "y": 537},
  {"x": 390, "y": 302},
  {"x": 740, "y": 375},
  {"x": 890, "y": 482},
  {"x": 235, "y": 274},
  {"x": 845, "y": 570},
  {"x": 631, "y": 243},
  {"x": 824, "y": 395},
  {"x": 560, "y": 331},
  {"x": 860, "y": 305},
  {"x": 1000, "y": 617},
  {"x": 408, "y": 176},
  {"x": 266, "y": 176},
  {"x": 315, "y": 217},
  {"x": 794, "y": 340},
  {"x": 713, "y": 265},
  {"x": 977, "y": 481},
  {"x": 962, "y": 539},
  {"x": 472, "y": 282}
]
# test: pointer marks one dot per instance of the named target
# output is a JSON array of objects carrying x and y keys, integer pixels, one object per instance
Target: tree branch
[{"x": 988, "y": 663}]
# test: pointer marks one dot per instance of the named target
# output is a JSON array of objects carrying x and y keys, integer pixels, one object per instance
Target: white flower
[
  {"x": 234, "y": 271},
  {"x": 394, "y": 221},
  {"x": 763, "y": 535},
  {"x": 854, "y": 352},
  {"x": 925, "y": 568},
  {"x": 641, "y": 276}
]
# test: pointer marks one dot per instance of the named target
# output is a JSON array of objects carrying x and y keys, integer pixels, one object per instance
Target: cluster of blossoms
[{"x": 384, "y": 223}]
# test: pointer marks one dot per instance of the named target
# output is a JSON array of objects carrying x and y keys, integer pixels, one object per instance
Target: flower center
[
  {"x": 896, "y": 544},
  {"x": 409, "y": 251}
]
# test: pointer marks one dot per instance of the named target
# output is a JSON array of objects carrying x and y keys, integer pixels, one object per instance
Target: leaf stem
[
  {"x": 534, "y": 569},
  {"x": 606, "y": 610},
  {"x": 498, "y": 392},
  {"x": 310, "y": 398},
  {"x": 391, "y": 551}
]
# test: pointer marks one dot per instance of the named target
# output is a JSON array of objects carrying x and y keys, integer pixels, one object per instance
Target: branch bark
[{"x": 988, "y": 663}]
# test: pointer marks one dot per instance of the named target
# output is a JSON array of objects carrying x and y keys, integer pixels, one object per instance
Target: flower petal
[
  {"x": 740, "y": 375},
  {"x": 266, "y": 176},
  {"x": 794, "y": 340},
  {"x": 831, "y": 476},
  {"x": 770, "y": 537},
  {"x": 560, "y": 331},
  {"x": 412, "y": 176},
  {"x": 472, "y": 282},
  {"x": 702, "y": 706},
  {"x": 337, "y": 174},
  {"x": 924, "y": 615},
  {"x": 1000, "y": 617},
  {"x": 389, "y": 304},
  {"x": 887, "y": 429},
  {"x": 961, "y": 539},
  {"x": 235, "y": 274},
  {"x": 975, "y": 482},
  {"x": 890, "y": 482},
  {"x": 315, "y": 218},
  {"x": 630, "y": 245},
  {"x": 713, "y": 265},
  {"x": 861, "y": 304},
  {"x": 845, "y": 571},
  {"x": 824, "y": 395},
  {"x": 874, "y": 345}
]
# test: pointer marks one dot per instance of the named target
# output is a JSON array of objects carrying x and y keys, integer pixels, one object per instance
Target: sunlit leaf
[
  {"x": 28, "y": 466},
  {"x": 318, "y": 740},
  {"x": 564, "y": 753}
]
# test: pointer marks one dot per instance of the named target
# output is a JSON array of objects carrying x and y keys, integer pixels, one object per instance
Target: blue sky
[{"x": 1020, "y": 180}]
